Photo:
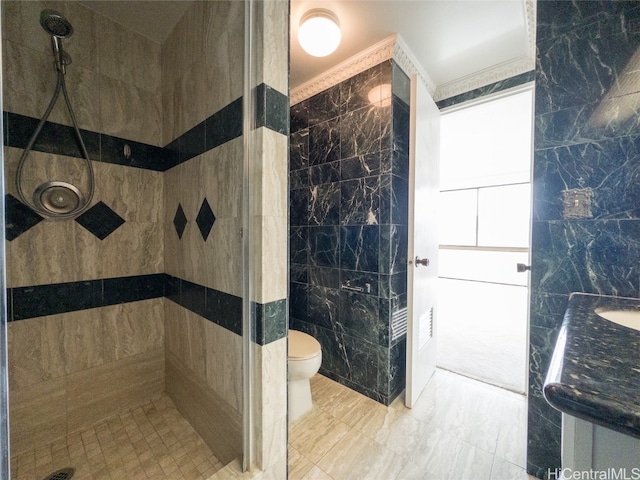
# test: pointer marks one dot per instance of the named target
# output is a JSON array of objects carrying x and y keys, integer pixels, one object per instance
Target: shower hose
[{"x": 60, "y": 85}]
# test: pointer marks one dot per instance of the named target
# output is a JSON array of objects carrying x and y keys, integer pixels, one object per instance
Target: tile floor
[
  {"x": 150, "y": 442},
  {"x": 460, "y": 429}
]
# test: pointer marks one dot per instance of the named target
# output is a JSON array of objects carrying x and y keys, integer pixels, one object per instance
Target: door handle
[
  {"x": 422, "y": 261},
  {"x": 521, "y": 267}
]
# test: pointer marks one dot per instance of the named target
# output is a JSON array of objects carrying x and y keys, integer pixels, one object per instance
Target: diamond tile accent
[
  {"x": 205, "y": 219},
  {"x": 180, "y": 221},
  {"x": 20, "y": 217},
  {"x": 100, "y": 220}
]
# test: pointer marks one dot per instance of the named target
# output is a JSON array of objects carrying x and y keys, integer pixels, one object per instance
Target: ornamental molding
[
  {"x": 485, "y": 77},
  {"x": 511, "y": 68},
  {"x": 364, "y": 60},
  {"x": 394, "y": 47},
  {"x": 408, "y": 62}
]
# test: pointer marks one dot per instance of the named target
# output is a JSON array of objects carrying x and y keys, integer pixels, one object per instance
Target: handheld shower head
[
  {"x": 58, "y": 27},
  {"x": 55, "y": 24}
]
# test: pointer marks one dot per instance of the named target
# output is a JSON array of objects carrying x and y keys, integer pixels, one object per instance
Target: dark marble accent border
[
  {"x": 51, "y": 299},
  {"x": 272, "y": 109},
  {"x": 271, "y": 321},
  {"x": 218, "y": 307},
  {"x": 272, "y": 112},
  {"x": 61, "y": 140},
  {"x": 488, "y": 89}
]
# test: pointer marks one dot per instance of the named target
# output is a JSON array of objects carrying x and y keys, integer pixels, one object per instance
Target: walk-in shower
[{"x": 58, "y": 199}]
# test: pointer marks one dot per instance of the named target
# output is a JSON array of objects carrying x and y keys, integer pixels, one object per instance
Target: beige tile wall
[
  {"x": 109, "y": 91},
  {"x": 269, "y": 208},
  {"x": 193, "y": 89},
  {"x": 204, "y": 360},
  {"x": 67, "y": 371}
]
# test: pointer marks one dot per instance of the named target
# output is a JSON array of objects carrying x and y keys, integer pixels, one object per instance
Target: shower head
[
  {"x": 58, "y": 27},
  {"x": 55, "y": 24}
]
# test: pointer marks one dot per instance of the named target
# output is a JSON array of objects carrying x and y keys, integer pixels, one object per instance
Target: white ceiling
[{"x": 451, "y": 39}]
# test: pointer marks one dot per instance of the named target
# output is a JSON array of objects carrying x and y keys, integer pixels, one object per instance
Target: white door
[{"x": 422, "y": 270}]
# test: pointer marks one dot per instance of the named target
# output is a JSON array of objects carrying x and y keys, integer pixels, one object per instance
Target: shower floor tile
[{"x": 149, "y": 442}]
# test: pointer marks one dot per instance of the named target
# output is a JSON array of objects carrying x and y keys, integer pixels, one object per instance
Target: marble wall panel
[
  {"x": 216, "y": 421},
  {"x": 130, "y": 112},
  {"x": 224, "y": 40},
  {"x": 48, "y": 347},
  {"x": 360, "y": 201},
  {"x": 270, "y": 364},
  {"x": 609, "y": 167},
  {"x": 360, "y": 132},
  {"x": 40, "y": 167},
  {"x": 137, "y": 245},
  {"x": 107, "y": 352},
  {"x": 48, "y": 399},
  {"x": 586, "y": 256},
  {"x": 29, "y": 79},
  {"x": 135, "y": 193},
  {"x": 359, "y": 248},
  {"x": 298, "y": 147},
  {"x": 35, "y": 351},
  {"x": 321, "y": 107},
  {"x": 100, "y": 392},
  {"x": 133, "y": 328},
  {"x": 584, "y": 138},
  {"x": 224, "y": 363},
  {"x": 324, "y": 246},
  {"x": 324, "y": 204},
  {"x": 348, "y": 170},
  {"x": 123, "y": 64},
  {"x": 56, "y": 261},
  {"x": 269, "y": 174},
  {"x": 324, "y": 142},
  {"x": 275, "y": 45},
  {"x": 363, "y": 90},
  {"x": 270, "y": 270},
  {"x": 188, "y": 108},
  {"x": 29, "y": 74}
]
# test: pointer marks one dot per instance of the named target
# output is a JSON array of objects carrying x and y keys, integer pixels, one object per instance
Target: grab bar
[{"x": 347, "y": 286}]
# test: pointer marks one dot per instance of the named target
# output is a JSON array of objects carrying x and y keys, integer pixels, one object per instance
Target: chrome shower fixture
[
  {"x": 56, "y": 198},
  {"x": 58, "y": 27}
]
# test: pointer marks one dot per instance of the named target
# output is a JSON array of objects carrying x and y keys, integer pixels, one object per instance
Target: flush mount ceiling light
[{"x": 319, "y": 34}]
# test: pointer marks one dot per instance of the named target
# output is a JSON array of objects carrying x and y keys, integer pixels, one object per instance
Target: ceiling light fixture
[{"x": 319, "y": 33}]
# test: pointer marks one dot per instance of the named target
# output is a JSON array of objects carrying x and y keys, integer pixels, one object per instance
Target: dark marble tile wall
[
  {"x": 587, "y": 139},
  {"x": 348, "y": 227}
]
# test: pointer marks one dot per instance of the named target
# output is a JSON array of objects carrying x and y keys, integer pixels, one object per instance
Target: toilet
[{"x": 305, "y": 357}]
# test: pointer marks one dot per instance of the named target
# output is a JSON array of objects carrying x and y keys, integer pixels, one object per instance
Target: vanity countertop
[{"x": 595, "y": 370}]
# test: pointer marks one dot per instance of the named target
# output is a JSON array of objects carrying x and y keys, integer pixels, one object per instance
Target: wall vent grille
[{"x": 398, "y": 324}]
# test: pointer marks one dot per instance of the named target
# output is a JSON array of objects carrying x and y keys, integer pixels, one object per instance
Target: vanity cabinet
[
  {"x": 594, "y": 380},
  {"x": 590, "y": 447}
]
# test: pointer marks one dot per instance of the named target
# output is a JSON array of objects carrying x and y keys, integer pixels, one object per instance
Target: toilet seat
[{"x": 302, "y": 346}]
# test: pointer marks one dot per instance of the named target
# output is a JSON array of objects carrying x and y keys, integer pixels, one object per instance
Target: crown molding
[
  {"x": 364, "y": 60},
  {"x": 485, "y": 77},
  {"x": 511, "y": 68},
  {"x": 394, "y": 47},
  {"x": 408, "y": 62}
]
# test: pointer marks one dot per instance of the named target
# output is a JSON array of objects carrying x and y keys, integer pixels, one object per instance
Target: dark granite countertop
[{"x": 595, "y": 370}]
